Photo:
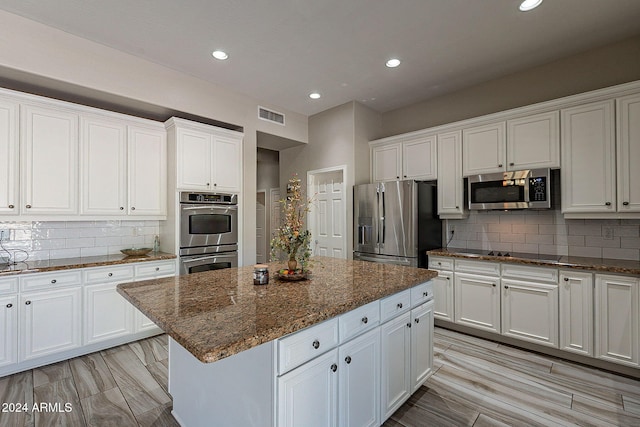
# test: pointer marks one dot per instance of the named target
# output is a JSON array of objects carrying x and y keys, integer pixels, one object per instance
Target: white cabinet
[
  {"x": 628, "y": 151},
  {"x": 450, "y": 181},
  {"x": 9, "y": 112},
  {"x": 395, "y": 343},
  {"x": 412, "y": 157},
  {"x": 106, "y": 313},
  {"x": 49, "y": 160},
  {"x": 523, "y": 143},
  {"x": 616, "y": 318},
  {"x": 421, "y": 344},
  {"x": 50, "y": 322},
  {"x": 576, "y": 311},
  {"x": 477, "y": 301},
  {"x": 588, "y": 174},
  {"x": 103, "y": 153},
  {"x": 442, "y": 287},
  {"x": 207, "y": 158},
  {"x": 147, "y": 169},
  {"x": 359, "y": 381},
  {"x": 8, "y": 329},
  {"x": 145, "y": 271},
  {"x": 308, "y": 395}
]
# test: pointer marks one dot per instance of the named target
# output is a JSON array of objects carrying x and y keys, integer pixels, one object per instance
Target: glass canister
[{"x": 260, "y": 274}]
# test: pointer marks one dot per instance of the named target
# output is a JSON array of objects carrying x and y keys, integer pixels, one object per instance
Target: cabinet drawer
[
  {"x": 155, "y": 269},
  {"x": 108, "y": 274},
  {"x": 394, "y": 305},
  {"x": 302, "y": 346},
  {"x": 477, "y": 267},
  {"x": 359, "y": 320},
  {"x": 50, "y": 280},
  {"x": 421, "y": 293},
  {"x": 440, "y": 263},
  {"x": 9, "y": 285},
  {"x": 536, "y": 274}
]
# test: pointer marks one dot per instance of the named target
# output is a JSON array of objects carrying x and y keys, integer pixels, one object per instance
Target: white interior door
[
  {"x": 327, "y": 218},
  {"x": 261, "y": 232}
]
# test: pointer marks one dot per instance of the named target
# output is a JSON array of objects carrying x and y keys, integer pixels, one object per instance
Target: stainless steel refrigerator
[{"x": 396, "y": 222}]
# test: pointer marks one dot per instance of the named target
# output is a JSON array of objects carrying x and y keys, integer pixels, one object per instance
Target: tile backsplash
[
  {"x": 44, "y": 240},
  {"x": 546, "y": 232}
]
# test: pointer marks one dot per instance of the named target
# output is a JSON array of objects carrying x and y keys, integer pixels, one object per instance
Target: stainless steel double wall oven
[{"x": 208, "y": 231}]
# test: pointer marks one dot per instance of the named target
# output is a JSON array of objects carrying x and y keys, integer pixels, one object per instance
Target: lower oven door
[{"x": 198, "y": 263}]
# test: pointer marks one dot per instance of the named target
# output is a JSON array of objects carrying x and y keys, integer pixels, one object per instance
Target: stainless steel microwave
[{"x": 524, "y": 189}]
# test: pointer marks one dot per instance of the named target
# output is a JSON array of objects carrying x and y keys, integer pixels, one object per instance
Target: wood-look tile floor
[{"x": 475, "y": 383}]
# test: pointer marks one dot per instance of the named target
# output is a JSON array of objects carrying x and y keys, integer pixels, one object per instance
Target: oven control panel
[{"x": 217, "y": 198}]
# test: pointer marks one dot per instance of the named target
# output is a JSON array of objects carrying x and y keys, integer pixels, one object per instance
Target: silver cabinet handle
[
  {"x": 409, "y": 325},
  {"x": 316, "y": 344},
  {"x": 347, "y": 359},
  {"x": 399, "y": 305},
  {"x": 365, "y": 320},
  {"x": 334, "y": 367},
  {"x": 425, "y": 294}
]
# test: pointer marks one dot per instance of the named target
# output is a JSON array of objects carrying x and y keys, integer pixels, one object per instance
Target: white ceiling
[{"x": 281, "y": 50}]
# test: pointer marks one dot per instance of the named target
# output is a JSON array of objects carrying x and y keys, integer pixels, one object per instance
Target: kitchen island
[{"x": 221, "y": 317}]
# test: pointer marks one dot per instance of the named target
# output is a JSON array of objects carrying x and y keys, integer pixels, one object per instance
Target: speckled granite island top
[
  {"x": 603, "y": 265},
  {"x": 84, "y": 262},
  {"x": 217, "y": 314}
]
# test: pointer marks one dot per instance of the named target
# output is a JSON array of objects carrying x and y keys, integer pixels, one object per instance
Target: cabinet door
[
  {"x": 419, "y": 159},
  {"x": 421, "y": 344},
  {"x": 9, "y": 157},
  {"x": 386, "y": 162},
  {"x": 103, "y": 154},
  {"x": 49, "y": 322},
  {"x": 106, "y": 314},
  {"x": 588, "y": 159},
  {"x": 395, "y": 342},
  {"x": 443, "y": 295},
  {"x": 616, "y": 320},
  {"x": 533, "y": 142},
  {"x": 477, "y": 301},
  {"x": 49, "y": 141},
  {"x": 530, "y": 311},
  {"x": 194, "y": 159},
  {"x": 450, "y": 181},
  {"x": 147, "y": 171},
  {"x": 227, "y": 163},
  {"x": 308, "y": 395},
  {"x": 8, "y": 330},
  {"x": 628, "y": 154},
  {"x": 359, "y": 378},
  {"x": 483, "y": 149},
  {"x": 576, "y": 312}
]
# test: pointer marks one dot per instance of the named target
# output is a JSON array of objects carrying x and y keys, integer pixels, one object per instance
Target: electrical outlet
[{"x": 607, "y": 233}]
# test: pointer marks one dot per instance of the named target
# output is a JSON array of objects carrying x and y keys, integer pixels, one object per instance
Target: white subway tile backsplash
[
  {"x": 540, "y": 239},
  {"x": 630, "y": 243},
  {"x": 526, "y": 247},
  {"x": 86, "y": 242},
  {"x": 585, "y": 229},
  {"x": 601, "y": 242},
  {"x": 585, "y": 251},
  {"x": 512, "y": 238},
  {"x": 627, "y": 231},
  {"x": 524, "y": 228},
  {"x": 617, "y": 253}
]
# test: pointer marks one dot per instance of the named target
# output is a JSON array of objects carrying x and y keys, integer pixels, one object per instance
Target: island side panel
[{"x": 235, "y": 391}]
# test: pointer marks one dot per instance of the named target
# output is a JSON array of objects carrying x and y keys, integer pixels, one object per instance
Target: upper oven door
[{"x": 208, "y": 225}]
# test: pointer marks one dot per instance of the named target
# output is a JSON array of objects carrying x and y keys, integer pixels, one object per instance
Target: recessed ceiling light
[
  {"x": 219, "y": 54},
  {"x": 393, "y": 63},
  {"x": 314, "y": 95},
  {"x": 528, "y": 5}
]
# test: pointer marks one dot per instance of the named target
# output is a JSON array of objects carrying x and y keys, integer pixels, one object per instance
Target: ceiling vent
[{"x": 271, "y": 116}]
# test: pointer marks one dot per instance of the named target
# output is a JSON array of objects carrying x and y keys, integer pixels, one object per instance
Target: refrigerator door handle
[
  {"x": 378, "y": 228},
  {"x": 382, "y": 221}
]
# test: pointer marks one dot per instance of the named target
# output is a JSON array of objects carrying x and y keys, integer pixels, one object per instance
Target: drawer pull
[
  {"x": 425, "y": 294},
  {"x": 316, "y": 344},
  {"x": 566, "y": 279},
  {"x": 365, "y": 320},
  {"x": 133, "y": 208},
  {"x": 409, "y": 325},
  {"x": 11, "y": 206},
  {"x": 347, "y": 359},
  {"x": 417, "y": 320},
  {"x": 608, "y": 204},
  {"x": 506, "y": 287},
  {"x": 494, "y": 285},
  {"x": 121, "y": 208},
  {"x": 28, "y": 206},
  {"x": 399, "y": 305},
  {"x": 625, "y": 203},
  {"x": 27, "y": 302},
  {"x": 110, "y": 274},
  {"x": 9, "y": 305},
  {"x": 53, "y": 281},
  {"x": 334, "y": 367},
  {"x": 157, "y": 268}
]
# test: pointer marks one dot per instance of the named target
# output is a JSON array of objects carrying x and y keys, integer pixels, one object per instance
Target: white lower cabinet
[
  {"x": 146, "y": 271},
  {"x": 8, "y": 330},
  {"x": 308, "y": 395},
  {"x": 477, "y": 301},
  {"x": 616, "y": 318},
  {"x": 107, "y": 314},
  {"x": 421, "y": 344},
  {"x": 50, "y": 322},
  {"x": 576, "y": 311},
  {"x": 443, "y": 295},
  {"x": 395, "y": 342}
]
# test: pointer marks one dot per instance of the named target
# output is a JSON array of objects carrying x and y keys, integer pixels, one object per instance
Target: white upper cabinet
[
  {"x": 450, "y": 182},
  {"x": 9, "y": 157},
  {"x": 147, "y": 171},
  {"x": 413, "y": 157},
  {"x": 523, "y": 143},
  {"x": 588, "y": 175},
  {"x": 207, "y": 158},
  {"x": 49, "y": 166},
  {"x": 628, "y": 148},
  {"x": 103, "y": 151}
]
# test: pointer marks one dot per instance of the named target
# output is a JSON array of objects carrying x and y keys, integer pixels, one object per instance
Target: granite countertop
[
  {"x": 69, "y": 263},
  {"x": 217, "y": 314},
  {"x": 603, "y": 265}
]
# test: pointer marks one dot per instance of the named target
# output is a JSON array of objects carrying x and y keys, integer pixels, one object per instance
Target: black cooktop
[{"x": 523, "y": 255}]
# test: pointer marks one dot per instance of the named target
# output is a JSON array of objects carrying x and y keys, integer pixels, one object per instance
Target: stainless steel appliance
[
  {"x": 525, "y": 189},
  {"x": 396, "y": 222},
  {"x": 208, "y": 231}
]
